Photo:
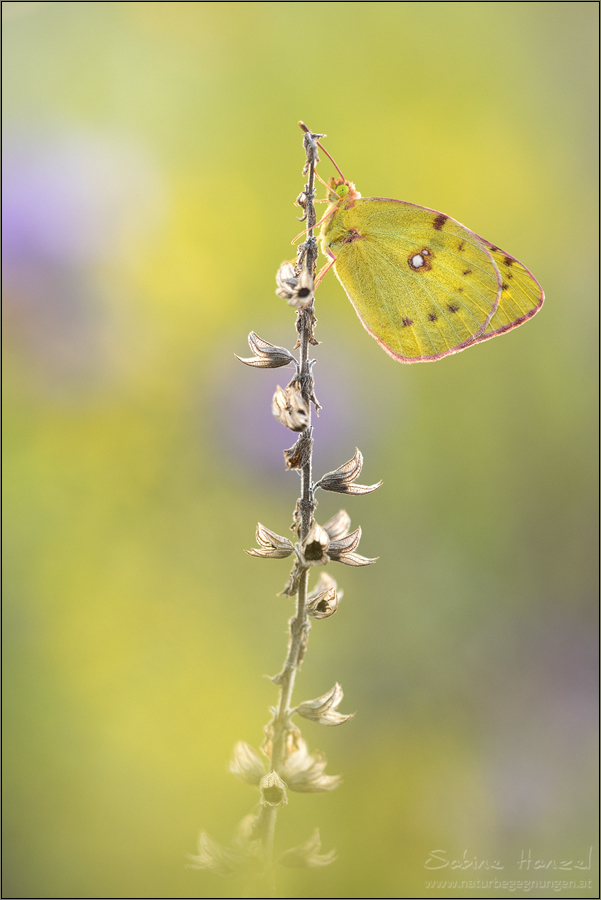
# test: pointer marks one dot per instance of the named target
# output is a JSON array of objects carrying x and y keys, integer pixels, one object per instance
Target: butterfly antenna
[{"x": 321, "y": 147}]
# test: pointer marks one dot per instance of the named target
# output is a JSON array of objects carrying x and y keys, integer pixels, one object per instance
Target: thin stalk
[
  {"x": 299, "y": 624},
  {"x": 292, "y": 767}
]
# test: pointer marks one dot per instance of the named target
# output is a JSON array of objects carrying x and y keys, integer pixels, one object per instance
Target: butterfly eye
[{"x": 342, "y": 190}]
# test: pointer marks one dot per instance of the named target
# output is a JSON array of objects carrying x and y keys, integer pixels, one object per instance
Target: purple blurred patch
[
  {"x": 69, "y": 197},
  {"x": 247, "y": 435},
  {"x": 70, "y": 201}
]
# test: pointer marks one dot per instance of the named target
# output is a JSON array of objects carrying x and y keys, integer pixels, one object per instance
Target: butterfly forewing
[{"x": 422, "y": 284}]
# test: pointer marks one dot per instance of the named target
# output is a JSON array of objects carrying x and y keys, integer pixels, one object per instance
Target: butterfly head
[{"x": 339, "y": 189}]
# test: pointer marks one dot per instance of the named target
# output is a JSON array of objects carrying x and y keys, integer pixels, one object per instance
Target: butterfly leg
[
  {"x": 330, "y": 212},
  {"x": 325, "y": 269}
]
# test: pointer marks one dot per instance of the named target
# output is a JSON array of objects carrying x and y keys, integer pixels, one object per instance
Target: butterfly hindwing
[{"x": 521, "y": 294}]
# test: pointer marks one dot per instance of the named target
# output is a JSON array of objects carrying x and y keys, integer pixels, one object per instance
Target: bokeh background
[{"x": 151, "y": 160}]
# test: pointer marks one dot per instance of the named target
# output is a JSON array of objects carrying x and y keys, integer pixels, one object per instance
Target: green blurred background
[{"x": 152, "y": 157}]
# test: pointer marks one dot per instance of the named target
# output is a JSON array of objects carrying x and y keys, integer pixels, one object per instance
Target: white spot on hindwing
[{"x": 417, "y": 261}]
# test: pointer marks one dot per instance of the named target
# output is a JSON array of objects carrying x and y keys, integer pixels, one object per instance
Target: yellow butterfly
[{"x": 423, "y": 285}]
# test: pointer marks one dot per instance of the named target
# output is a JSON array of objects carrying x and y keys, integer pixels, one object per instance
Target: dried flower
[
  {"x": 331, "y": 541},
  {"x": 273, "y": 546},
  {"x": 338, "y": 525},
  {"x": 323, "y": 605},
  {"x": 342, "y": 551},
  {"x": 273, "y": 790},
  {"x": 297, "y": 289},
  {"x": 290, "y": 407},
  {"x": 307, "y": 855},
  {"x": 323, "y": 600},
  {"x": 268, "y": 356},
  {"x": 247, "y": 829},
  {"x": 215, "y": 857},
  {"x": 286, "y": 280},
  {"x": 247, "y": 764},
  {"x": 247, "y": 838},
  {"x": 305, "y": 772},
  {"x": 313, "y": 550},
  {"x": 341, "y": 479},
  {"x": 300, "y": 454},
  {"x": 323, "y": 709}
]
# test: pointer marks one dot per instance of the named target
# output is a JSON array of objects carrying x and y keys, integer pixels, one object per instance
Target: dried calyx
[
  {"x": 296, "y": 288},
  {"x": 290, "y": 407},
  {"x": 273, "y": 546},
  {"x": 323, "y": 600},
  {"x": 299, "y": 455},
  {"x": 273, "y": 790},
  {"x": 307, "y": 855},
  {"x": 267, "y": 356},
  {"x": 323, "y": 709},
  {"x": 332, "y": 541},
  {"x": 341, "y": 480}
]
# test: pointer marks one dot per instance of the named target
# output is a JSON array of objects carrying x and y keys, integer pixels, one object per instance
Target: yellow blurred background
[{"x": 151, "y": 160}]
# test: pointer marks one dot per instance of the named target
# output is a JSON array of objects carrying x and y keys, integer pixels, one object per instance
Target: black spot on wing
[
  {"x": 439, "y": 221},
  {"x": 407, "y": 322}
]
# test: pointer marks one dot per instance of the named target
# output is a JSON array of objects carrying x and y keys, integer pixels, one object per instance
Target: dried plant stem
[
  {"x": 291, "y": 766},
  {"x": 299, "y": 624}
]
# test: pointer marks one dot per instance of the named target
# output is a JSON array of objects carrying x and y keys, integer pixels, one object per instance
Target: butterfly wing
[
  {"x": 521, "y": 294},
  {"x": 422, "y": 284}
]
